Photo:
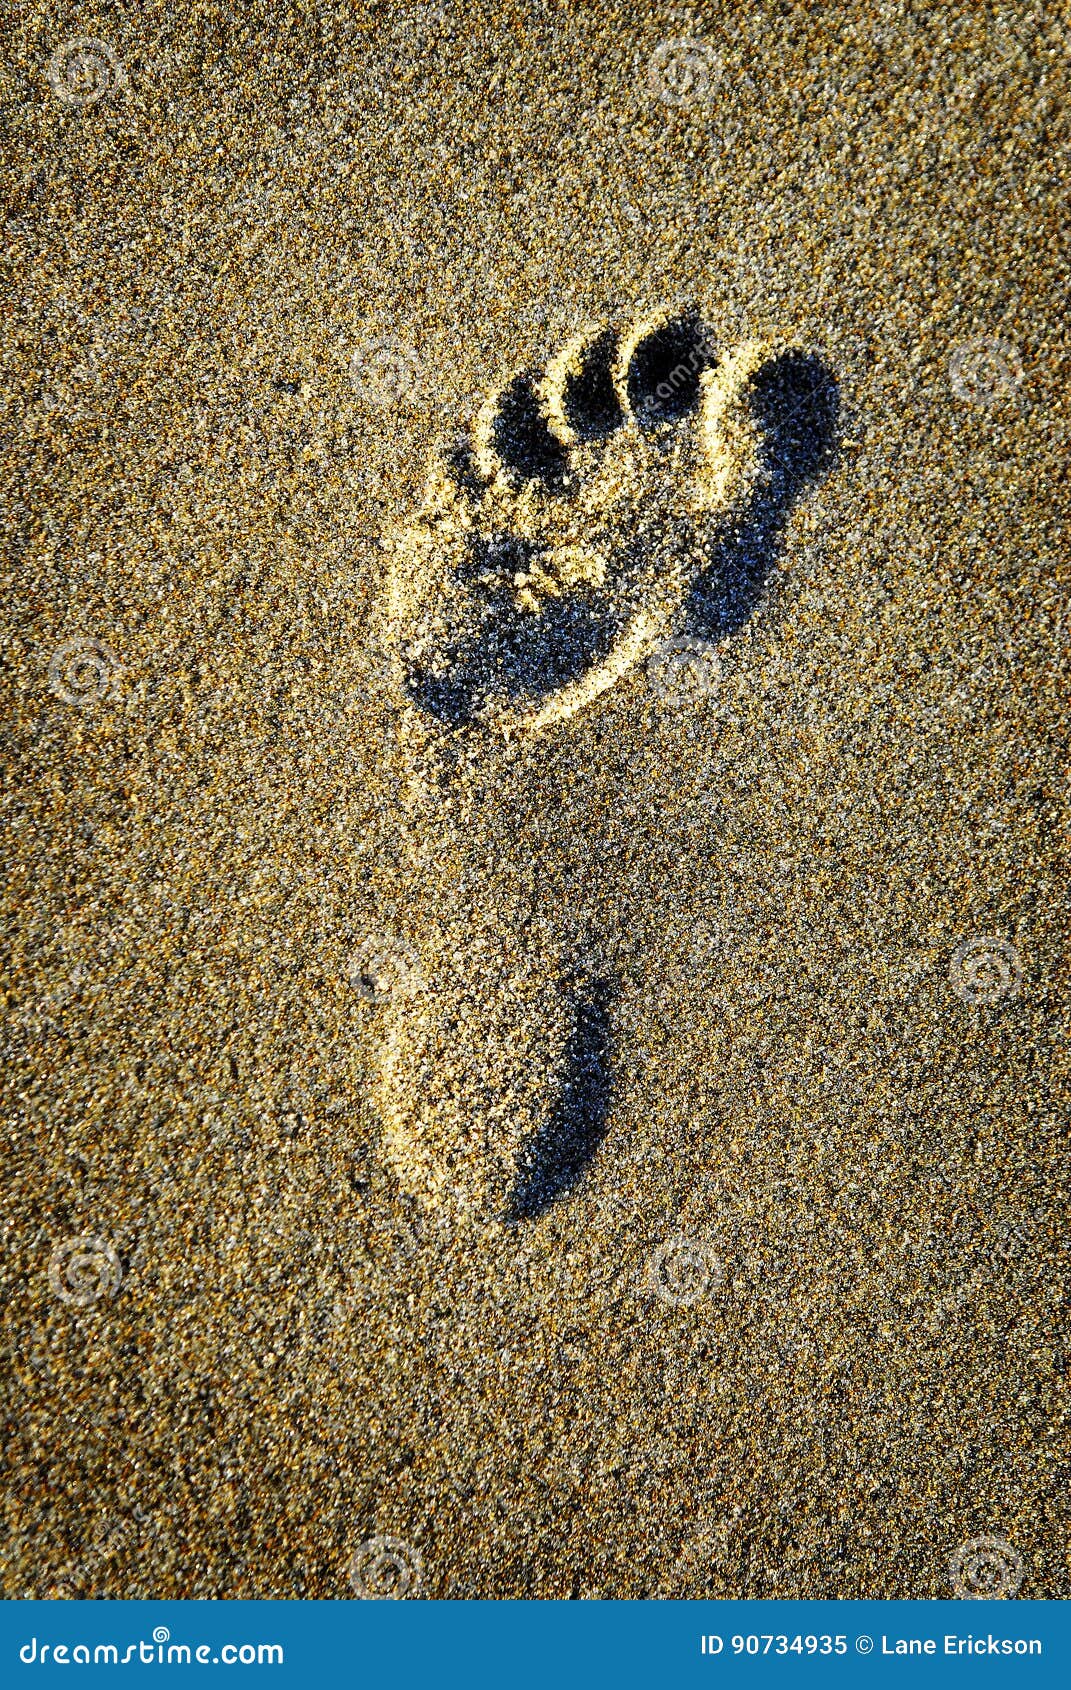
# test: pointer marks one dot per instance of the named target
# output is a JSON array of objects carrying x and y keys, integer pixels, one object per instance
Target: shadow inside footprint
[
  {"x": 507, "y": 651},
  {"x": 796, "y": 405},
  {"x": 528, "y": 656},
  {"x": 559, "y": 1151}
]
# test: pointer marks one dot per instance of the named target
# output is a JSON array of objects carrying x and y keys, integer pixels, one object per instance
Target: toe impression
[{"x": 589, "y": 472}]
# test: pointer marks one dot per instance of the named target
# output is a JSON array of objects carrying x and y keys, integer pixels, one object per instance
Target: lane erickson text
[
  {"x": 774, "y": 1643},
  {"x": 160, "y": 1652},
  {"x": 988, "y": 1645}
]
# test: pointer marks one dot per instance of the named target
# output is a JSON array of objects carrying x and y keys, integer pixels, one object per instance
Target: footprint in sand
[{"x": 632, "y": 495}]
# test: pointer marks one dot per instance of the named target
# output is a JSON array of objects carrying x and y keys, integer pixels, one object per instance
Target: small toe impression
[
  {"x": 557, "y": 1154},
  {"x": 663, "y": 378},
  {"x": 521, "y": 438},
  {"x": 589, "y": 399}
]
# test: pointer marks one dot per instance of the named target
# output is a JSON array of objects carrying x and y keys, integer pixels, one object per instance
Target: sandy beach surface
[{"x": 623, "y": 1157}]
